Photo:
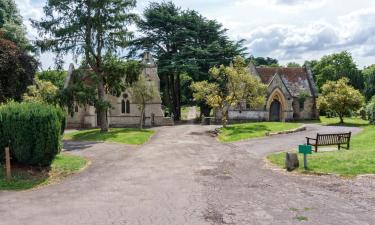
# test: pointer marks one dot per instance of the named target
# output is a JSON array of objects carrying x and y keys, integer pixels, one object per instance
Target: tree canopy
[
  {"x": 143, "y": 91},
  {"x": 336, "y": 66},
  {"x": 56, "y": 77},
  {"x": 42, "y": 91},
  {"x": 17, "y": 69},
  {"x": 92, "y": 30},
  {"x": 340, "y": 97},
  {"x": 11, "y": 24},
  {"x": 369, "y": 76},
  {"x": 230, "y": 85},
  {"x": 261, "y": 61},
  {"x": 293, "y": 65},
  {"x": 186, "y": 44}
]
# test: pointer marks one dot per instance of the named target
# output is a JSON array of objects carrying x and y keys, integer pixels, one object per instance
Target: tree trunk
[
  {"x": 224, "y": 117},
  {"x": 205, "y": 110},
  {"x": 178, "y": 97},
  {"x": 142, "y": 117},
  {"x": 341, "y": 118},
  {"x": 102, "y": 112},
  {"x": 174, "y": 97}
]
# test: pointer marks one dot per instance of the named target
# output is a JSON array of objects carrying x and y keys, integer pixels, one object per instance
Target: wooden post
[{"x": 7, "y": 163}]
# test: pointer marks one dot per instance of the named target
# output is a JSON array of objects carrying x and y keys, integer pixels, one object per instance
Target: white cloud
[
  {"x": 354, "y": 32},
  {"x": 30, "y": 10},
  {"x": 286, "y": 29}
]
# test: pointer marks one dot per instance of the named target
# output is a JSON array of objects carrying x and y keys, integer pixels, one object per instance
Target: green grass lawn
[
  {"x": 348, "y": 121},
  {"x": 118, "y": 135},
  {"x": 27, "y": 177},
  {"x": 360, "y": 159},
  {"x": 243, "y": 131}
]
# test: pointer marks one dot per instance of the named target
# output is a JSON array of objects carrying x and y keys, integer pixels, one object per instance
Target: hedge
[{"x": 33, "y": 131}]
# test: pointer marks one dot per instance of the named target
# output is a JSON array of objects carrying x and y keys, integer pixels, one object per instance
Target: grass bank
[
  {"x": 28, "y": 177},
  {"x": 243, "y": 131},
  {"x": 360, "y": 159},
  {"x": 118, "y": 135}
]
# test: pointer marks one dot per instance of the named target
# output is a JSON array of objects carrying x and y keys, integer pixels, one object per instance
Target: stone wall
[
  {"x": 248, "y": 115},
  {"x": 308, "y": 109}
]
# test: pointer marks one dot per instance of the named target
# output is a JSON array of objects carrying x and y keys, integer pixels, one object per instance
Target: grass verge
[
  {"x": 24, "y": 178},
  {"x": 243, "y": 131},
  {"x": 360, "y": 159},
  {"x": 118, "y": 135}
]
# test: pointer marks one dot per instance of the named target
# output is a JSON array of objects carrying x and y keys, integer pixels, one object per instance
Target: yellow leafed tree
[
  {"x": 340, "y": 97},
  {"x": 230, "y": 85}
]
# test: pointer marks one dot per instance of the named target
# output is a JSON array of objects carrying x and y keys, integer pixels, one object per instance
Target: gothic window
[
  {"x": 76, "y": 108},
  {"x": 301, "y": 105},
  {"x": 127, "y": 106},
  {"x": 123, "y": 106}
]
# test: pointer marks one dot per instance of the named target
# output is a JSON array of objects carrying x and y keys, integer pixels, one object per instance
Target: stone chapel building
[
  {"x": 291, "y": 95},
  {"x": 124, "y": 111}
]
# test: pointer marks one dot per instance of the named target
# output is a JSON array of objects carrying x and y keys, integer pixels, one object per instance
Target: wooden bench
[{"x": 330, "y": 139}]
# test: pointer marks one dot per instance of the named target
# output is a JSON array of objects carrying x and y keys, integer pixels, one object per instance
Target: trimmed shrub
[
  {"x": 371, "y": 111},
  {"x": 33, "y": 131}
]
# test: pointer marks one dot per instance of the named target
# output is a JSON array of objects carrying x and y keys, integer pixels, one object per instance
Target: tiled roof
[{"x": 295, "y": 79}]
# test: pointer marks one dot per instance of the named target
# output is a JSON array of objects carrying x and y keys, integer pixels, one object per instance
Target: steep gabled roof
[{"x": 295, "y": 79}]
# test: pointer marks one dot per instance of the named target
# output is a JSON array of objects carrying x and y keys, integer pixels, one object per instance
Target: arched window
[
  {"x": 127, "y": 106},
  {"x": 76, "y": 108},
  {"x": 123, "y": 106}
]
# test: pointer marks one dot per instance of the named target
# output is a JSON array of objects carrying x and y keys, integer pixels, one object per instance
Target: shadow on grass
[
  {"x": 245, "y": 129},
  {"x": 96, "y": 135},
  {"x": 347, "y": 124},
  {"x": 23, "y": 178}
]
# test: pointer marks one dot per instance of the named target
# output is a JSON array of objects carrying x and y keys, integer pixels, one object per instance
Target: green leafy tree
[
  {"x": 120, "y": 74},
  {"x": 368, "y": 70},
  {"x": 185, "y": 43},
  {"x": 143, "y": 91},
  {"x": 336, "y": 66},
  {"x": 11, "y": 24},
  {"x": 369, "y": 74},
  {"x": 261, "y": 61},
  {"x": 293, "y": 65},
  {"x": 42, "y": 91},
  {"x": 91, "y": 29},
  {"x": 341, "y": 98},
  {"x": 231, "y": 85},
  {"x": 17, "y": 69},
  {"x": 371, "y": 110},
  {"x": 56, "y": 77}
]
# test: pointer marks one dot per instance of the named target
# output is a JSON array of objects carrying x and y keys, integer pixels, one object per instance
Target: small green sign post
[{"x": 305, "y": 150}]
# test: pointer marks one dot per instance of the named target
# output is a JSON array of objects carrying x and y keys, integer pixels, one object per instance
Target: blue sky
[{"x": 289, "y": 30}]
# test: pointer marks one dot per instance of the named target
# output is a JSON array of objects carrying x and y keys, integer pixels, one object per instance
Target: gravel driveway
[{"x": 183, "y": 176}]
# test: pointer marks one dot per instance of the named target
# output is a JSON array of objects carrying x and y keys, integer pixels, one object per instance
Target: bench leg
[
  {"x": 316, "y": 148},
  {"x": 339, "y": 146},
  {"x": 348, "y": 146}
]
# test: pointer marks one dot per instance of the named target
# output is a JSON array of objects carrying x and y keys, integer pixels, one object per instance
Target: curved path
[{"x": 183, "y": 176}]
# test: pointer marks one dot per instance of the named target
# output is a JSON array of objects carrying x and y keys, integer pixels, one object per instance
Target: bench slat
[{"x": 332, "y": 139}]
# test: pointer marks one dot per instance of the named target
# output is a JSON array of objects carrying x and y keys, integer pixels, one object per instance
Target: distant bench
[{"x": 330, "y": 139}]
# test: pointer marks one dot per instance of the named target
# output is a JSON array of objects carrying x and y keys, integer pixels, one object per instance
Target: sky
[{"x": 288, "y": 30}]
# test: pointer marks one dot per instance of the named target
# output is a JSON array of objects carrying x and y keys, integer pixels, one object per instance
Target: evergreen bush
[
  {"x": 371, "y": 111},
  {"x": 32, "y": 130}
]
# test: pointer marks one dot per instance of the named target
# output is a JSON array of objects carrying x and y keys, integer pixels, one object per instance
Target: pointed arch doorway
[
  {"x": 276, "y": 105},
  {"x": 275, "y": 110}
]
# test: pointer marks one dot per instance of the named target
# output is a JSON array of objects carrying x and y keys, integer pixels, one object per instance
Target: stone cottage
[
  {"x": 291, "y": 95},
  {"x": 124, "y": 111}
]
